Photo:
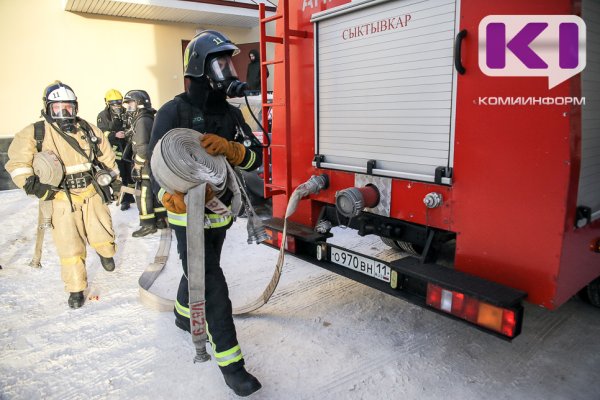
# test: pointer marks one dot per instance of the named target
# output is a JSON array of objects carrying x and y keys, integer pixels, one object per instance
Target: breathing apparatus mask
[
  {"x": 223, "y": 76},
  {"x": 64, "y": 113},
  {"x": 116, "y": 107},
  {"x": 130, "y": 107}
]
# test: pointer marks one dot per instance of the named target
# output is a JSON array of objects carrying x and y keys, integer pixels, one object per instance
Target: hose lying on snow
[{"x": 312, "y": 186}]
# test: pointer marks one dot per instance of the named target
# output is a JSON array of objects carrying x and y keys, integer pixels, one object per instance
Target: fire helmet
[
  {"x": 60, "y": 105},
  {"x": 112, "y": 96},
  {"x": 135, "y": 100},
  {"x": 201, "y": 47},
  {"x": 58, "y": 92},
  {"x": 114, "y": 100}
]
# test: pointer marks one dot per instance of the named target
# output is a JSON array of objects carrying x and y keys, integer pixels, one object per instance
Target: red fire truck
[{"x": 386, "y": 100}]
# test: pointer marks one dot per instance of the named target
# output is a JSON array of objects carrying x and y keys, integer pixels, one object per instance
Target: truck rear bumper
[{"x": 435, "y": 287}]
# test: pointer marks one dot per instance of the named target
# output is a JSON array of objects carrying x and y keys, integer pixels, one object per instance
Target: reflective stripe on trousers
[{"x": 224, "y": 358}]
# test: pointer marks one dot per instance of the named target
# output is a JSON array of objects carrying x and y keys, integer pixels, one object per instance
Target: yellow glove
[
  {"x": 174, "y": 202},
  {"x": 216, "y": 145}
]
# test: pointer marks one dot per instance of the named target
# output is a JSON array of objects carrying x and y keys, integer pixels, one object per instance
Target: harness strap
[{"x": 38, "y": 133}]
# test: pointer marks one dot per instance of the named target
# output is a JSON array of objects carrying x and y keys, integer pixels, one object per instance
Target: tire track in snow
[
  {"x": 539, "y": 330},
  {"x": 307, "y": 293}
]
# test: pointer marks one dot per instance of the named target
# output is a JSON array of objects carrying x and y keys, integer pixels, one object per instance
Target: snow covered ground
[{"x": 322, "y": 336}]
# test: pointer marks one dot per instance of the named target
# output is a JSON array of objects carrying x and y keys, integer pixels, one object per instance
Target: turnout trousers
[
  {"x": 90, "y": 222},
  {"x": 219, "y": 320},
  {"x": 150, "y": 209},
  {"x": 125, "y": 172}
]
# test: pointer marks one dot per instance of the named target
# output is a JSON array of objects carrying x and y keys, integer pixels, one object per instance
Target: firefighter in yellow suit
[{"x": 80, "y": 211}]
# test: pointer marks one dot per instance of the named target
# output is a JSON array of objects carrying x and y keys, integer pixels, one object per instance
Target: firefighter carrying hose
[
  {"x": 79, "y": 204},
  {"x": 209, "y": 78},
  {"x": 110, "y": 121},
  {"x": 139, "y": 108}
]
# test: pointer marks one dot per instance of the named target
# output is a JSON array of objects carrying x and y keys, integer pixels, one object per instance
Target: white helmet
[{"x": 60, "y": 104}]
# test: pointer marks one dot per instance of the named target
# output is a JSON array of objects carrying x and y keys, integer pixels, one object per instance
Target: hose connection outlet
[
  {"x": 351, "y": 201},
  {"x": 433, "y": 200}
]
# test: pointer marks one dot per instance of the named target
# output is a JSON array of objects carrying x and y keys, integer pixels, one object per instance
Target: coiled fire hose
[
  {"x": 179, "y": 163},
  {"x": 48, "y": 168}
]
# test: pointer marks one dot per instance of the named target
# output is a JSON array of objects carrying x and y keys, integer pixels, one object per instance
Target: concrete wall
[{"x": 40, "y": 43}]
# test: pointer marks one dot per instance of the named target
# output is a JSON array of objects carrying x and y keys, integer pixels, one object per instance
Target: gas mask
[
  {"x": 116, "y": 108},
  {"x": 64, "y": 114},
  {"x": 223, "y": 77}
]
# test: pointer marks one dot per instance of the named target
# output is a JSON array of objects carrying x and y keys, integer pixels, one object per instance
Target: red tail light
[
  {"x": 275, "y": 238},
  {"x": 498, "y": 319},
  {"x": 290, "y": 243}
]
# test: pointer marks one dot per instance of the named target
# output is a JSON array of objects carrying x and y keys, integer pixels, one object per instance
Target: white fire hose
[
  {"x": 312, "y": 186},
  {"x": 49, "y": 171}
]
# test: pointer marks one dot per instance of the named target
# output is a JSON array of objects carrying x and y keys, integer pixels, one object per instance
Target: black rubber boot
[
  {"x": 183, "y": 324},
  {"x": 161, "y": 223},
  {"x": 108, "y": 263},
  {"x": 242, "y": 382},
  {"x": 76, "y": 299},
  {"x": 125, "y": 206},
  {"x": 144, "y": 230}
]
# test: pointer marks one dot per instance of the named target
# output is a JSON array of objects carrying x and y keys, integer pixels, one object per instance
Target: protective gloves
[
  {"x": 216, "y": 145},
  {"x": 136, "y": 174},
  {"x": 40, "y": 190},
  {"x": 176, "y": 203},
  {"x": 116, "y": 185}
]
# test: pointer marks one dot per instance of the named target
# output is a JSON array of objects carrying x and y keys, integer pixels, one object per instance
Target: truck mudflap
[{"x": 485, "y": 305}]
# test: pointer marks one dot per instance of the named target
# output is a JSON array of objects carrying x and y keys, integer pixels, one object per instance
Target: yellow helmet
[{"x": 113, "y": 95}]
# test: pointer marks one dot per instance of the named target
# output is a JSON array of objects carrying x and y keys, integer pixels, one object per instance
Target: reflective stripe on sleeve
[
  {"x": 250, "y": 161},
  {"x": 21, "y": 171}
]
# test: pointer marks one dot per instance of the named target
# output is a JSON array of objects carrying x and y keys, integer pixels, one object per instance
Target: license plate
[{"x": 364, "y": 265}]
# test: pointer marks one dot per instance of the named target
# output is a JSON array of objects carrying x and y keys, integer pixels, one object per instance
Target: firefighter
[
  {"x": 79, "y": 205},
  {"x": 110, "y": 121},
  {"x": 203, "y": 107},
  {"x": 139, "y": 109}
]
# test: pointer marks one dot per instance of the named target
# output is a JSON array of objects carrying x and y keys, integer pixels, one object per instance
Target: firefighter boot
[
  {"x": 76, "y": 299},
  {"x": 108, "y": 263},
  {"x": 144, "y": 230},
  {"x": 161, "y": 223},
  {"x": 242, "y": 382},
  {"x": 183, "y": 324}
]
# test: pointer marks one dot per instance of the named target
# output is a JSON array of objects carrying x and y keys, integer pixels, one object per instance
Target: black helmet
[
  {"x": 201, "y": 46},
  {"x": 136, "y": 100}
]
